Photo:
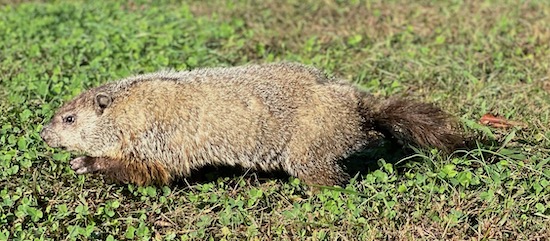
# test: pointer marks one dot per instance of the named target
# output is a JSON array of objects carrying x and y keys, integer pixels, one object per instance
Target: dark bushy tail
[{"x": 416, "y": 123}]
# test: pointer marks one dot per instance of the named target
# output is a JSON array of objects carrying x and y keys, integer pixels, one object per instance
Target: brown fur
[{"x": 150, "y": 129}]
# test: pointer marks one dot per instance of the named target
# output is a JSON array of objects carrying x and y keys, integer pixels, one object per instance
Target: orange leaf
[{"x": 498, "y": 121}]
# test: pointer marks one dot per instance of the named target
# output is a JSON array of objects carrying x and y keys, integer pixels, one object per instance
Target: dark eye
[{"x": 69, "y": 119}]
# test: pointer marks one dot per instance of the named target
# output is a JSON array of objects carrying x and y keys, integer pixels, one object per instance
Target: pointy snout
[{"x": 47, "y": 135}]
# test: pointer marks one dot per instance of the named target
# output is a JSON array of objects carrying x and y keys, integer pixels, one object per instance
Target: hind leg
[{"x": 317, "y": 172}]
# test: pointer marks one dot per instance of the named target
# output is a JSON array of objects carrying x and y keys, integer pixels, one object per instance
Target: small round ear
[{"x": 102, "y": 101}]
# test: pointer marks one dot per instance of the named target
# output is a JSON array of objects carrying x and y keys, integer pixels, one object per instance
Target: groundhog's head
[{"x": 83, "y": 125}]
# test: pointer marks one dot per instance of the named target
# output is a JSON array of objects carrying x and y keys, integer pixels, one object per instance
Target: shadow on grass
[{"x": 362, "y": 162}]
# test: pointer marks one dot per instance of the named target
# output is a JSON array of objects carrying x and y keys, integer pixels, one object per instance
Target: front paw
[{"x": 82, "y": 165}]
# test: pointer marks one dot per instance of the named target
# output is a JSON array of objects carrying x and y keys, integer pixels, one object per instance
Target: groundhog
[{"x": 154, "y": 128}]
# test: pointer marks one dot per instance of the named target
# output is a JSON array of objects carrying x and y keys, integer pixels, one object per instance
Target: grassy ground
[{"x": 469, "y": 57}]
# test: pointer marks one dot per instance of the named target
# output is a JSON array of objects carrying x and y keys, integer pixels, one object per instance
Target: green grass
[{"x": 469, "y": 57}]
